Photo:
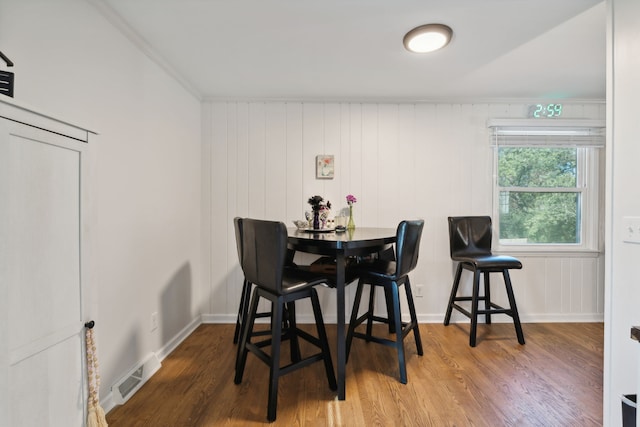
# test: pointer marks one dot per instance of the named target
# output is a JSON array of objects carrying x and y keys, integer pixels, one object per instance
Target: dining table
[{"x": 340, "y": 245}]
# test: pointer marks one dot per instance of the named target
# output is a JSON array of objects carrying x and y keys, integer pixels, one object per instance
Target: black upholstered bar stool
[
  {"x": 470, "y": 245},
  {"x": 264, "y": 257},
  {"x": 390, "y": 274},
  {"x": 243, "y": 309}
]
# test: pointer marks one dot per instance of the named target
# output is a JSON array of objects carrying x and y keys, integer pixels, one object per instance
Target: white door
[{"x": 41, "y": 330}]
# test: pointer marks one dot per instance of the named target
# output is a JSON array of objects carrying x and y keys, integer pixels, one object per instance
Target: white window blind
[{"x": 577, "y": 133}]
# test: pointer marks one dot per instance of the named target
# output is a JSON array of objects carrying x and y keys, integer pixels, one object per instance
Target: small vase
[
  {"x": 351, "y": 225},
  {"x": 324, "y": 217},
  {"x": 316, "y": 220}
]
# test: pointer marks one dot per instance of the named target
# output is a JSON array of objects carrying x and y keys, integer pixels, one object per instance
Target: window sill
[{"x": 549, "y": 253}]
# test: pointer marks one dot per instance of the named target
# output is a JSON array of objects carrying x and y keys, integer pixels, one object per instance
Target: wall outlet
[
  {"x": 154, "y": 321},
  {"x": 419, "y": 291}
]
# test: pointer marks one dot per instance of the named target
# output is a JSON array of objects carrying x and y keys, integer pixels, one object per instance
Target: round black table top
[{"x": 322, "y": 241}]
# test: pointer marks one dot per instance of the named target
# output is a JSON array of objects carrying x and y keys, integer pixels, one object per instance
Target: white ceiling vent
[{"x": 124, "y": 388}]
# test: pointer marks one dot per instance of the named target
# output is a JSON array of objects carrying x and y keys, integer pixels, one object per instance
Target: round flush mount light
[{"x": 427, "y": 38}]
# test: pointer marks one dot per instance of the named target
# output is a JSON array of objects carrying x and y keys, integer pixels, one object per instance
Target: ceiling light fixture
[{"x": 427, "y": 38}]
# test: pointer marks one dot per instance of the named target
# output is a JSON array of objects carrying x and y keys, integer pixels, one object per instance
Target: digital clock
[{"x": 545, "y": 111}]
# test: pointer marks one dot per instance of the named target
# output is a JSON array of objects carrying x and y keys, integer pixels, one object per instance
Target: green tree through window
[{"x": 539, "y": 198}]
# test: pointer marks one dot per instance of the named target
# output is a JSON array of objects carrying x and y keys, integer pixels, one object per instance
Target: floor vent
[{"x": 134, "y": 379}]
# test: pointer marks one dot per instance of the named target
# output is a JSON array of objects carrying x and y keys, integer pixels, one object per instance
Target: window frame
[{"x": 590, "y": 174}]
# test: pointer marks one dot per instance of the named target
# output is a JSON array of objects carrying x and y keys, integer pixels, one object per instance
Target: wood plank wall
[{"x": 402, "y": 161}]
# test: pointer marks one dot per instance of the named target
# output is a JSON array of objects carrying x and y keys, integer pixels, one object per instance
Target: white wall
[
  {"x": 72, "y": 63},
  {"x": 623, "y": 285},
  {"x": 401, "y": 161}
]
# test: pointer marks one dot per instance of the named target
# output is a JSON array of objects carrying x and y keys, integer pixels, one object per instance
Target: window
[{"x": 547, "y": 182}]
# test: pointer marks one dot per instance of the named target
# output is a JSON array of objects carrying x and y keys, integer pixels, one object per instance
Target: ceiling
[{"x": 352, "y": 49}]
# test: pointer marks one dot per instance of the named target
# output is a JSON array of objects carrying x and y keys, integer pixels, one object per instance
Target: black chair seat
[
  {"x": 491, "y": 262},
  {"x": 377, "y": 269},
  {"x": 326, "y": 267},
  {"x": 294, "y": 278}
]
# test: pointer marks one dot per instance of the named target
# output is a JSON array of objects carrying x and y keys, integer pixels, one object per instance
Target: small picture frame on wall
[{"x": 324, "y": 167}]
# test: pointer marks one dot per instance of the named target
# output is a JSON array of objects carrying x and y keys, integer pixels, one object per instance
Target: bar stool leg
[
  {"x": 354, "y": 317},
  {"x": 414, "y": 317},
  {"x": 399, "y": 341},
  {"x": 487, "y": 297},
  {"x": 274, "y": 371},
  {"x": 474, "y": 308},
  {"x": 514, "y": 309},
  {"x": 388, "y": 298},
  {"x": 322, "y": 336},
  {"x": 454, "y": 292},
  {"x": 372, "y": 299},
  {"x": 243, "y": 309},
  {"x": 241, "y": 356},
  {"x": 292, "y": 330}
]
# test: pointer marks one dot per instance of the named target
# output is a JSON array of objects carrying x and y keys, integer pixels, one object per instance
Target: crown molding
[{"x": 132, "y": 35}]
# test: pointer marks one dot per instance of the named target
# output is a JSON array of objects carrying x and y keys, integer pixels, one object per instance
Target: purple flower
[{"x": 351, "y": 199}]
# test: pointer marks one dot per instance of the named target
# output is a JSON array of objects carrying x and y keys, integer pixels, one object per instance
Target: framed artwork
[{"x": 324, "y": 167}]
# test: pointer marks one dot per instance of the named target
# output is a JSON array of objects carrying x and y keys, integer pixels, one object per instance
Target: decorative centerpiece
[
  {"x": 320, "y": 211},
  {"x": 351, "y": 199}
]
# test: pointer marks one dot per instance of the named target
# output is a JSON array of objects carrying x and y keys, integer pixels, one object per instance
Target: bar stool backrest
[
  {"x": 408, "y": 237},
  {"x": 264, "y": 251},
  {"x": 237, "y": 225},
  {"x": 470, "y": 236}
]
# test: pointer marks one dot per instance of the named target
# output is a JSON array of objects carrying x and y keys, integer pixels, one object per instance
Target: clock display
[{"x": 547, "y": 111}]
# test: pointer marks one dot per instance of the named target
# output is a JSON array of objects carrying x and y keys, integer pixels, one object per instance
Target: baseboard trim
[
  {"x": 164, "y": 351},
  {"x": 108, "y": 402}
]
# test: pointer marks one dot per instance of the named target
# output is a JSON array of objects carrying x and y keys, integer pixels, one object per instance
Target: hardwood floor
[{"x": 555, "y": 379}]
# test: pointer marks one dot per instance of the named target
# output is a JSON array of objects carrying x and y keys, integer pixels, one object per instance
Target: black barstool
[
  {"x": 264, "y": 255},
  {"x": 390, "y": 274},
  {"x": 243, "y": 308},
  {"x": 470, "y": 245}
]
